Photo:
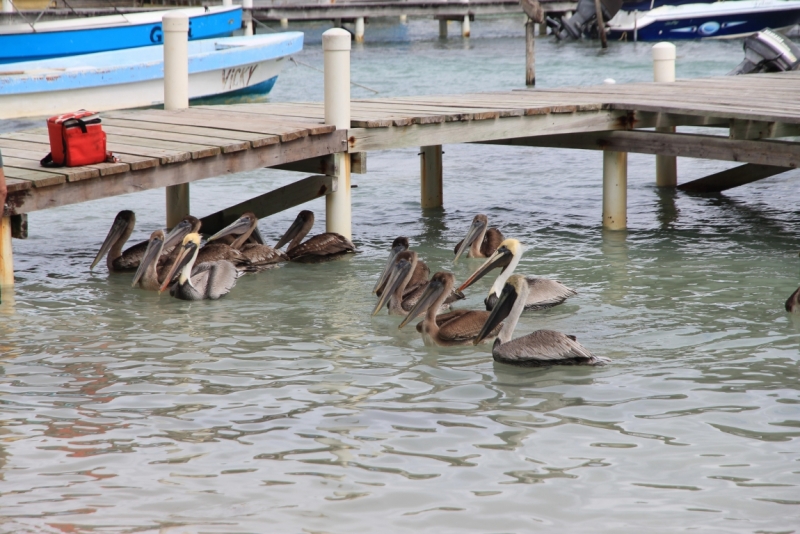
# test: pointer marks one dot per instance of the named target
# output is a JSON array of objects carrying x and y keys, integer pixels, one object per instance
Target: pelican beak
[
  {"x": 180, "y": 262},
  {"x": 431, "y": 293},
  {"x": 117, "y": 229},
  {"x": 176, "y": 235},
  {"x": 398, "y": 272},
  {"x": 293, "y": 230},
  {"x": 151, "y": 254},
  {"x": 472, "y": 234},
  {"x": 501, "y": 258},
  {"x": 256, "y": 235},
  {"x": 237, "y": 227},
  {"x": 382, "y": 280},
  {"x": 500, "y": 311}
]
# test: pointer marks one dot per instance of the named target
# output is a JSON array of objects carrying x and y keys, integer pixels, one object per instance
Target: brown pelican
[
  {"x": 544, "y": 293},
  {"x": 458, "y": 327},
  {"x": 542, "y": 347},
  {"x": 793, "y": 302},
  {"x": 421, "y": 271},
  {"x": 147, "y": 274},
  {"x": 399, "y": 294},
  {"x": 481, "y": 241},
  {"x": 210, "y": 280},
  {"x": 121, "y": 230},
  {"x": 258, "y": 256},
  {"x": 316, "y": 248}
]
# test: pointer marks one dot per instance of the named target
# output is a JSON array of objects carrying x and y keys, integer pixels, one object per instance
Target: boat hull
[
  {"x": 704, "y": 24},
  {"x": 114, "y": 34}
]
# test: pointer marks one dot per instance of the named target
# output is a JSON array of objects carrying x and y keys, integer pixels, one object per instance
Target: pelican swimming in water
[
  {"x": 542, "y": 347},
  {"x": 481, "y": 241},
  {"x": 544, "y": 293},
  {"x": 258, "y": 256},
  {"x": 210, "y": 280},
  {"x": 147, "y": 274},
  {"x": 317, "y": 248},
  {"x": 793, "y": 302},
  {"x": 458, "y": 327},
  {"x": 121, "y": 229},
  {"x": 398, "y": 294},
  {"x": 421, "y": 271}
]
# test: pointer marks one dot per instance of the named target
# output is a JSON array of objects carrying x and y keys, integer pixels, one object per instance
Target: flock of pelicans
[{"x": 177, "y": 261}]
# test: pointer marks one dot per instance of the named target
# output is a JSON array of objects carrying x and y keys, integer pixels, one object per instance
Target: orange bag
[{"x": 76, "y": 139}]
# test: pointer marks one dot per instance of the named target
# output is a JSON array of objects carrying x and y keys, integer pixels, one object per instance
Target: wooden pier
[{"x": 165, "y": 148}]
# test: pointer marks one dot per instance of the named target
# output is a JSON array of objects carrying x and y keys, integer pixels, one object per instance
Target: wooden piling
[
  {"x": 6, "y": 254},
  {"x": 430, "y": 164},
  {"x": 336, "y": 58},
  {"x": 601, "y": 26},
  {"x": 530, "y": 53},
  {"x": 442, "y": 29},
  {"x": 615, "y": 190},
  {"x": 176, "y": 96},
  {"x": 664, "y": 71}
]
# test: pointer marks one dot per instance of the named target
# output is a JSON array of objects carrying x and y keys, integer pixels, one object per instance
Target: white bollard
[
  {"x": 360, "y": 29},
  {"x": 403, "y": 19},
  {"x": 284, "y": 23},
  {"x": 664, "y": 71},
  {"x": 615, "y": 190},
  {"x": 336, "y": 52},
  {"x": 247, "y": 16},
  {"x": 8, "y": 7},
  {"x": 176, "y": 96},
  {"x": 465, "y": 27}
]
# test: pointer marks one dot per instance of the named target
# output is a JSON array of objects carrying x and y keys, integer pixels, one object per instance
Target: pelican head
[
  {"x": 398, "y": 274},
  {"x": 508, "y": 251},
  {"x": 151, "y": 254},
  {"x": 175, "y": 236},
  {"x": 515, "y": 288},
  {"x": 477, "y": 229},
  {"x": 122, "y": 227},
  {"x": 399, "y": 245},
  {"x": 304, "y": 220},
  {"x": 238, "y": 227},
  {"x": 184, "y": 261},
  {"x": 440, "y": 283}
]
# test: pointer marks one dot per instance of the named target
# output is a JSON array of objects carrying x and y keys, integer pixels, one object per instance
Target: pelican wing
[
  {"x": 545, "y": 347},
  {"x": 491, "y": 241},
  {"x": 130, "y": 259},
  {"x": 444, "y": 318},
  {"x": 262, "y": 255},
  {"x": 463, "y": 326},
  {"x": 545, "y": 292},
  {"x": 326, "y": 244},
  {"x": 214, "y": 279},
  {"x": 216, "y": 251}
]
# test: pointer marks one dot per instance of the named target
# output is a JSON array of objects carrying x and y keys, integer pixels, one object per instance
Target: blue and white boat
[
  {"x": 717, "y": 20},
  {"x": 59, "y": 38},
  {"x": 232, "y": 66}
]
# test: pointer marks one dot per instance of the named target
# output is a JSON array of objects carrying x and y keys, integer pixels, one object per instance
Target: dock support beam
[
  {"x": 176, "y": 96},
  {"x": 6, "y": 255},
  {"x": 7, "y": 7},
  {"x": 360, "y": 29},
  {"x": 530, "y": 53},
  {"x": 465, "y": 27},
  {"x": 442, "y": 29},
  {"x": 664, "y": 71},
  {"x": 615, "y": 190},
  {"x": 284, "y": 23},
  {"x": 336, "y": 57},
  {"x": 430, "y": 165},
  {"x": 247, "y": 16}
]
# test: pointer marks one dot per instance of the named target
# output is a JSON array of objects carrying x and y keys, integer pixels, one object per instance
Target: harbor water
[{"x": 285, "y": 407}]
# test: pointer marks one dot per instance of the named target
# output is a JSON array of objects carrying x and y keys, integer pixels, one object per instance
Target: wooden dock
[{"x": 162, "y": 148}]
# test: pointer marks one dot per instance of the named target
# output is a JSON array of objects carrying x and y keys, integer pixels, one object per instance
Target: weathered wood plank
[
  {"x": 255, "y": 139},
  {"x": 254, "y": 109},
  {"x": 730, "y": 178},
  {"x": 14, "y": 185},
  {"x": 37, "y": 150},
  {"x": 72, "y": 174},
  {"x": 226, "y": 145},
  {"x": 37, "y": 178},
  {"x": 273, "y": 202},
  {"x": 196, "y": 151}
]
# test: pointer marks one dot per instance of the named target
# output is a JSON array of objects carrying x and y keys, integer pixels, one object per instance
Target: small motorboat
[
  {"x": 231, "y": 66},
  {"x": 768, "y": 51},
  {"x": 89, "y": 35}
]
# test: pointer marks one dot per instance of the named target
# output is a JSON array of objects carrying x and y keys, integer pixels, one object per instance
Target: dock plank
[{"x": 225, "y": 145}]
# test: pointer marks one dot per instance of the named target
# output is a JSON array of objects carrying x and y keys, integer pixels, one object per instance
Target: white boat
[{"x": 134, "y": 77}]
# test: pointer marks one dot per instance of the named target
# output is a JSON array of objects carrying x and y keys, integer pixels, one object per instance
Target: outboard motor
[
  {"x": 585, "y": 16},
  {"x": 768, "y": 51}
]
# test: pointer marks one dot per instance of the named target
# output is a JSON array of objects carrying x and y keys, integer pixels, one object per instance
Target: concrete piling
[{"x": 664, "y": 71}]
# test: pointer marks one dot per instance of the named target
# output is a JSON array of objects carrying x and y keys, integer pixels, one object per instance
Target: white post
[
  {"x": 442, "y": 29},
  {"x": 7, "y": 7},
  {"x": 615, "y": 190},
  {"x": 284, "y": 23},
  {"x": 664, "y": 71},
  {"x": 227, "y": 2},
  {"x": 176, "y": 96},
  {"x": 403, "y": 19},
  {"x": 360, "y": 29},
  {"x": 247, "y": 6},
  {"x": 336, "y": 52},
  {"x": 430, "y": 164},
  {"x": 465, "y": 27}
]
